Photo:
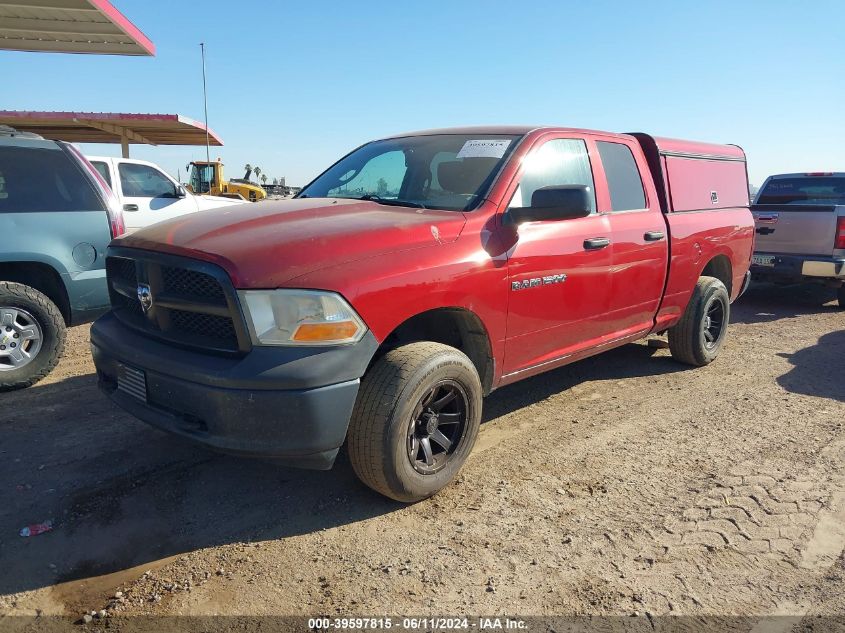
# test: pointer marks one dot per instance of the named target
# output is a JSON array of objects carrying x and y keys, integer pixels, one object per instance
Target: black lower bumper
[{"x": 290, "y": 404}]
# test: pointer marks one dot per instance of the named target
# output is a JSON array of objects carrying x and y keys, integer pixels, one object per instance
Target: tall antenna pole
[{"x": 205, "y": 102}]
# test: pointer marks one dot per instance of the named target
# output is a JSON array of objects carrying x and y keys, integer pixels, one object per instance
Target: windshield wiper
[{"x": 391, "y": 201}]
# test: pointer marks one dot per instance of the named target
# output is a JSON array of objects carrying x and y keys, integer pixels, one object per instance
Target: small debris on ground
[{"x": 36, "y": 528}]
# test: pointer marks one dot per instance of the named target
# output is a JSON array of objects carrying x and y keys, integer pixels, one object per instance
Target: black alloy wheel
[
  {"x": 713, "y": 325},
  {"x": 437, "y": 427}
]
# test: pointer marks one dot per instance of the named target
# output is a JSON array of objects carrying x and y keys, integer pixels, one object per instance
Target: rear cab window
[
  {"x": 808, "y": 190},
  {"x": 39, "y": 176},
  {"x": 623, "y": 178}
]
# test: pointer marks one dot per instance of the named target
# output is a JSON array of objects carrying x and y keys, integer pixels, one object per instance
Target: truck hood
[{"x": 263, "y": 245}]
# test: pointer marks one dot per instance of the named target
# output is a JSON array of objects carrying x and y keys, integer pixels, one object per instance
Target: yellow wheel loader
[{"x": 207, "y": 177}]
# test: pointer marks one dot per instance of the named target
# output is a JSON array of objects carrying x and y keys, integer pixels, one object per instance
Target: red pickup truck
[{"x": 413, "y": 277}]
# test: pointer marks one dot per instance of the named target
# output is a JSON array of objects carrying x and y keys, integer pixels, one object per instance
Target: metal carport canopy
[
  {"x": 112, "y": 127},
  {"x": 69, "y": 26}
]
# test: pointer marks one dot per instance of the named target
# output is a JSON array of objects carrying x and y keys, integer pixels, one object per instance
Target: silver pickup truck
[{"x": 800, "y": 224}]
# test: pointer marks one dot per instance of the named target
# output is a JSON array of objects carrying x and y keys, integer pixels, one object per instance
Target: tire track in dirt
[{"x": 821, "y": 551}]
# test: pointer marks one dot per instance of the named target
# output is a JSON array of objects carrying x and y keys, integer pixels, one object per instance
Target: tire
[
  {"x": 690, "y": 339},
  {"x": 24, "y": 310},
  {"x": 840, "y": 295},
  {"x": 397, "y": 407}
]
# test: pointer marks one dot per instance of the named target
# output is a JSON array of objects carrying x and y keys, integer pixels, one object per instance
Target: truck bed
[{"x": 703, "y": 192}]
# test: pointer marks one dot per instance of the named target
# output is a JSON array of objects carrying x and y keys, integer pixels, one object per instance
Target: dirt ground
[{"x": 624, "y": 484}]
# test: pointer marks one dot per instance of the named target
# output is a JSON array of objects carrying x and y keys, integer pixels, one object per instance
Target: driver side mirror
[
  {"x": 181, "y": 192},
  {"x": 553, "y": 203}
]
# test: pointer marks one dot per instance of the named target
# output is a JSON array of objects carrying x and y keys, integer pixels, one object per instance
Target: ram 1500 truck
[
  {"x": 801, "y": 230},
  {"x": 413, "y": 277}
]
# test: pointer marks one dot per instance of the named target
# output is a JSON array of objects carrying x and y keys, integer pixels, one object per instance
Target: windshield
[
  {"x": 804, "y": 190},
  {"x": 441, "y": 171}
]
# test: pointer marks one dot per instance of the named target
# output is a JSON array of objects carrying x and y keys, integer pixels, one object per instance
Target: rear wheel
[
  {"x": 697, "y": 338},
  {"x": 32, "y": 336},
  {"x": 415, "y": 420}
]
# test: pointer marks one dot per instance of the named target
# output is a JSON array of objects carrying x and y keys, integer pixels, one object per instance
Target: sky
[{"x": 292, "y": 86}]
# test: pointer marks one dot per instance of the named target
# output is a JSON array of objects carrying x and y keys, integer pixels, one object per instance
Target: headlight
[{"x": 300, "y": 317}]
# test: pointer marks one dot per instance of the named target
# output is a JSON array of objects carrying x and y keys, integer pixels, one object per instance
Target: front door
[
  {"x": 149, "y": 196},
  {"x": 558, "y": 271}
]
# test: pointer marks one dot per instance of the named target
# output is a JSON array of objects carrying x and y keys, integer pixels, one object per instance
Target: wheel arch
[
  {"x": 43, "y": 278},
  {"x": 720, "y": 267},
  {"x": 455, "y": 326}
]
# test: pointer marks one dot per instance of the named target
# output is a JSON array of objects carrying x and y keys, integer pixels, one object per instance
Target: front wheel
[
  {"x": 697, "y": 338},
  {"x": 415, "y": 420}
]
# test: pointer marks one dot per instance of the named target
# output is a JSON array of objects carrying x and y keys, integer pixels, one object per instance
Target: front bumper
[
  {"x": 286, "y": 403},
  {"x": 798, "y": 268}
]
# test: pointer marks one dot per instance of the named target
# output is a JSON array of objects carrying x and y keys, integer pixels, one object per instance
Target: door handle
[
  {"x": 595, "y": 243},
  {"x": 654, "y": 236},
  {"x": 768, "y": 219},
  {"x": 130, "y": 207}
]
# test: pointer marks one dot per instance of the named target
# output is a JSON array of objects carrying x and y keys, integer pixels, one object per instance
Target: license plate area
[
  {"x": 763, "y": 260},
  {"x": 132, "y": 381}
]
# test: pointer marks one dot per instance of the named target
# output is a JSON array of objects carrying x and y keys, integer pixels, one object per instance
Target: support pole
[
  {"x": 124, "y": 145},
  {"x": 205, "y": 102}
]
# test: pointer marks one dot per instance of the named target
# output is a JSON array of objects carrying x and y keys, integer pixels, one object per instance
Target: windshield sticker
[{"x": 492, "y": 148}]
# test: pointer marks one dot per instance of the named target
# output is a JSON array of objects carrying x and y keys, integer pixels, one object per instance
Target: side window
[
  {"x": 101, "y": 167},
  {"x": 623, "y": 177},
  {"x": 556, "y": 162},
  {"x": 143, "y": 181},
  {"x": 381, "y": 176}
]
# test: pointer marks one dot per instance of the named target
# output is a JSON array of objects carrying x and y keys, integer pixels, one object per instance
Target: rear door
[
  {"x": 52, "y": 213},
  {"x": 149, "y": 196},
  {"x": 640, "y": 237},
  {"x": 797, "y": 213},
  {"x": 557, "y": 270}
]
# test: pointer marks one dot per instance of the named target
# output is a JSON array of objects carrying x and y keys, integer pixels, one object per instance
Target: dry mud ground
[{"x": 624, "y": 484}]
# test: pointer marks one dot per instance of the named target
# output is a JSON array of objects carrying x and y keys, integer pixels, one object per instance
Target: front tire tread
[{"x": 383, "y": 389}]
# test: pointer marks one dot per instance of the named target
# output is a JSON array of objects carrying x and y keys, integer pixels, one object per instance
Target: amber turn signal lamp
[{"x": 323, "y": 332}]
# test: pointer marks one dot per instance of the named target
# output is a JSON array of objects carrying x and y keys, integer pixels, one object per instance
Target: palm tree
[
  {"x": 257, "y": 172},
  {"x": 263, "y": 179}
]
